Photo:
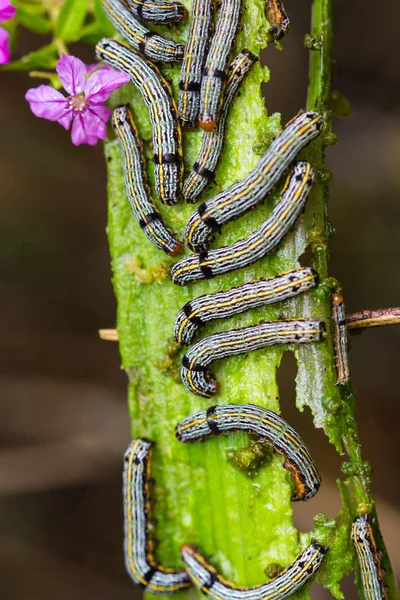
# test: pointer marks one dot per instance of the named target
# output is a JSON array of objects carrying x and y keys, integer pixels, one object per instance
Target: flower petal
[
  {"x": 99, "y": 111},
  {"x": 6, "y": 10},
  {"x": 48, "y": 103},
  {"x": 82, "y": 131},
  {"x": 4, "y": 48},
  {"x": 102, "y": 82},
  {"x": 72, "y": 74},
  {"x": 99, "y": 115},
  {"x": 65, "y": 120}
]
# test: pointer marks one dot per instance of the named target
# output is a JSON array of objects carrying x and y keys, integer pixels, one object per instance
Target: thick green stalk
[
  {"x": 243, "y": 524},
  {"x": 355, "y": 489}
]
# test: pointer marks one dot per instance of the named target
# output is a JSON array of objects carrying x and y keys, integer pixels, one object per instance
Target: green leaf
[
  {"x": 34, "y": 22},
  {"x": 12, "y": 27},
  {"x": 71, "y": 19},
  {"x": 32, "y": 8},
  {"x": 104, "y": 23},
  {"x": 44, "y": 58}
]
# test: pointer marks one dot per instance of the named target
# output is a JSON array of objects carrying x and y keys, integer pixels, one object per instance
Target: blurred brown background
[{"x": 63, "y": 420}]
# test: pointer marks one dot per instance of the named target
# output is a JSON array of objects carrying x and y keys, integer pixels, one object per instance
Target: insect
[
  {"x": 210, "y": 263},
  {"x": 368, "y": 558},
  {"x": 248, "y": 193},
  {"x": 138, "y": 546},
  {"x": 194, "y": 369},
  {"x": 340, "y": 339},
  {"x": 212, "y": 143},
  {"x": 278, "y": 18},
  {"x": 136, "y": 185},
  {"x": 254, "y": 419},
  {"x": 201, "y": 24},
  {"x": 206, "y": 578},
  {"x": 159, "y": 11},
  {"x": 241, "y": 298},
  {"x": 147, "y": 42},
  {"x": 157, "y": 96},
  {"x": 214, "y": 72}
]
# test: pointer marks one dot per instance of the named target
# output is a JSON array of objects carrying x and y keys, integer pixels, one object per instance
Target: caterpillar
[
  {"x": 147, "y": 42},
  {"x": 159, "y": 11},
  {"x": 278, "y": 19},
  {"x": 368, "y": 559},
  {"x": 214, "y": 73},
  {"x": 201, "y": 24},
  {"x": 212, "y": 143},
  {"x": 138, "y": 546},
  {"x": 340, "y": 339},
  {"x": 254, "y": 419},
  {"x": 241, "y": 298},
  {"x": 158, "y": 98},
  {"x": 212, "y": 584},
  {"x": 136, "y": 185},
  {"x": 252, "y": 190},
  {"x": 210, "y": 263},
  {"x": 194, "y": 369}
]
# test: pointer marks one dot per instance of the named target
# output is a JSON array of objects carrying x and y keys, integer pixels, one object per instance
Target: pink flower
[
  {"x": 6, "y": 12},
  {"x": 84, "y": 106}
]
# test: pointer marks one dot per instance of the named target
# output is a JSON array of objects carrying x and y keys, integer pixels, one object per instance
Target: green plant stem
[
  {"x": 42, "y": 75},
  {"x": 243, "y": 524},
  {"x": 60, "y": 45},
  {"x": 356, "y": 488}
]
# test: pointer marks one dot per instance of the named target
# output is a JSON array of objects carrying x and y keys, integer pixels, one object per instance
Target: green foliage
[
  {"x": 11, "y": 27},
  {"x": 101, "y": 20},
  {"x": 32, "y": 16},
  {"x": 70, "y": 21},
  {"x": 44, "y": 58}
]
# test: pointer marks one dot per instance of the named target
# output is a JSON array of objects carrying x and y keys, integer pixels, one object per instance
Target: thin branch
[
  {"x": 364, "y": 319},
  {"x": 373, "y": 318}
]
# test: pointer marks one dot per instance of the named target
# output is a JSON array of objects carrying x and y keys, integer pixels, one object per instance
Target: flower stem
[
  {"x": 61, "y": 46},
  {"x": 42, "y": 75}
]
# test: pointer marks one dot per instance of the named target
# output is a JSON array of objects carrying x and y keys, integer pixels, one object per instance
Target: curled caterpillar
[
  {"x": 241, "y": 298},
  {"x": 212, "y": 584},
  {"x": 136, "y": 185},
  {"x": 194, "y": 369},
  {"x": 138, "y": 546},
  {"x": 146, "y": 42},
  {"x": 212, "y": 142},
  {"x": 368, "y": 558},
  {"x": 159, "y": 11},
  {"x": 340, "y": 338},
  {"x": 194, "y": 56},
  {"x": 245, "y": 252},
  {"x": 264, "y": 423},
  {"x": 244, "y": 195},
  {"x": 214, "y": 73},
  {"x": 158, "y": 98},
  {"x": 278, "y": 18}
]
